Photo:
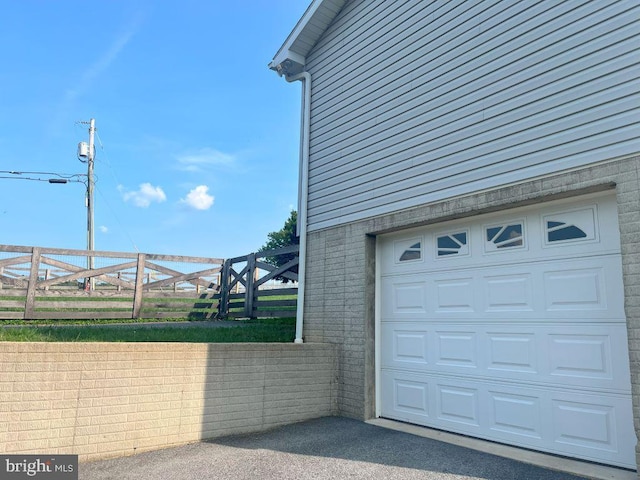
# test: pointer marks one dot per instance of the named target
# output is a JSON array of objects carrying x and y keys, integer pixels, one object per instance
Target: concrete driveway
[{"x": 326, "y": 448}]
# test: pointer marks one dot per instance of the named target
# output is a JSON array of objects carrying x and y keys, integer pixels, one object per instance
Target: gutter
[{"x": 305, "y": 122}]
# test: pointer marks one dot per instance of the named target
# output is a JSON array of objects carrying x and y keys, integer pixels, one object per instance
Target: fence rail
[{"x": 51, "y": 283}]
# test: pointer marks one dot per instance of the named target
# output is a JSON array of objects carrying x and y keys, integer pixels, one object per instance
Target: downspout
[{"x": 305, "y": 128}]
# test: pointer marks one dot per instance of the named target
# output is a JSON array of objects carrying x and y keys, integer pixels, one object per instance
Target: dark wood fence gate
[{"x": 244, "y": 273}]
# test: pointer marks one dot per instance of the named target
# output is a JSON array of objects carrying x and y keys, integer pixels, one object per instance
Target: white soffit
[{"x": 290, "y": 59}]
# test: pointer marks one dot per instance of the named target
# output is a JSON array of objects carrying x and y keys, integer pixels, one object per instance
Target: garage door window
[
  {"x": 414, "y": 252},
  {"x": 571, "y": 226},
  {"x": 452, "y": 244},
  {"x": 559, "y": 232},
  {"x": 501, "y": 237}
]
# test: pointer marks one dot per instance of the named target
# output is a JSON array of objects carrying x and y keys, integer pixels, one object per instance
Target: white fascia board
[{"x": 291, "y": 58}]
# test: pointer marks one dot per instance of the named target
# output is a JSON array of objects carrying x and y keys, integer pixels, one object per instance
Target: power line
[
  {"x": 59, "y": 177},
  {"x": 107, "y": 162},
  {"x": 115, "y": 215}
]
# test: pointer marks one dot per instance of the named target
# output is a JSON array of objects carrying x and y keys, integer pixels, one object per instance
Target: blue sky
[{"x": 197, "y": 140}]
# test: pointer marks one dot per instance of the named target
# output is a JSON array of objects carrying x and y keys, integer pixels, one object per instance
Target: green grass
[
  {"x": 261, "y": 330},
  {"x": 90, "y": 321}
]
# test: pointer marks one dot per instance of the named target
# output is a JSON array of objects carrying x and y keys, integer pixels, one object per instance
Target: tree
[{"x": 283, "y": 238}]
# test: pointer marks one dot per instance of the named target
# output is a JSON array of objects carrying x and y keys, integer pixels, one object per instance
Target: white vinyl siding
[{"x": 415, "y": 102}]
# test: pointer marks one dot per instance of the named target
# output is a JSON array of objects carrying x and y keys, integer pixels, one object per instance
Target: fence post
[
  {"x": 249, "y": 293},
  {"x": 33, "y": 281},
  {"x": 223, "y": 307},
  {"x": 137, "y": 295}
]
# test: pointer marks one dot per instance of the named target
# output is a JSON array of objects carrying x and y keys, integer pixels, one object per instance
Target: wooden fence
[{"x": 50, "y": 283}]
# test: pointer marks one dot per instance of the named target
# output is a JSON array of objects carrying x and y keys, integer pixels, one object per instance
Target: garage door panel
[
  {"x": 583, "y": 290},
  {"x": 592, "y": 355},
  {"x": 515, "y": 413},
  {"x": 407, "y": 297},
  {"x": 509, "y": 293},
  {"x": 409, "y": 346},
  {"x": 513, "y": 351},
  {"x": 577, "y": 289},
  {"x": 568, "y": 355},
  {"x": 457, "y": 404},
  {"x": 456, "y": 348},
  {"x": 594, "y": 426},
  {"x": 454, "y": 295},
  {"x": 581, "y": 356},
  {"x": 582, "y": 424},
  {"x": 406, "y": 397}
]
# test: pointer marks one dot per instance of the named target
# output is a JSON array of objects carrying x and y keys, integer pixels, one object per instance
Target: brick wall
[
  {"x": 341, "y": 278},
  {"x": 100, "y": 400}
]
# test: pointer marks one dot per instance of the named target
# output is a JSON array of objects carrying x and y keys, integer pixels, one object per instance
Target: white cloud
[
  {"x": 198, "y": 198},
  {"x": 143, "y": 197},
  {"x": 103, "y": 229},
  {"x": 199, "y": 160}
]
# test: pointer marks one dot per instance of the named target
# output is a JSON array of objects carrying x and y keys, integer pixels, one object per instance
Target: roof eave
[
  {"x": 288, "y": 63},
  {"x": 291, "y": 58}
]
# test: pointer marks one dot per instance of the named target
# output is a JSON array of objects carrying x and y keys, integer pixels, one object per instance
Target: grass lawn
[{"x": 260, "y": 330}]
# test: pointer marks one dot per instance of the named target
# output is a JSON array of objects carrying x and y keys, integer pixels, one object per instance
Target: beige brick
[
  {"x": 151, "y": 407},
  {"x": 37, "y": 436},
  {"x": 113, "y": 382},
  {"x": 109, "y": 419},
  {"x": 88, "y": 412},
  {"x": 29, "y": 415},
  {"x": 150, "y": 390},
  {"x": 118, "y": 409},
  {"x": 85, "y": 450},
  {"x": 55, "y": 444},
  {"x": 60, "y": 423},
  {"x": 142, "y": 416},
  {"x": 93, "y": 374},
  {"x": 110, "y": 401},
  {"x": 25, "y": 405},
  {"x": 101, "y": 439},
  {"x": 87, "y": 430},
  {"x": 26, "y": 446}
]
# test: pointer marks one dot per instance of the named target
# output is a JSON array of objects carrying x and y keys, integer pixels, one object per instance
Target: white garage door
[{"x": 510, "y": 327}]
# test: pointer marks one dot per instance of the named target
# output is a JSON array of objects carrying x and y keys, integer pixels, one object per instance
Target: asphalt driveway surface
[{"x": 326, "y": 448}]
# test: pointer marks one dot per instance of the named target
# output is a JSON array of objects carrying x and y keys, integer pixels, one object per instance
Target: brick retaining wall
[{"x": 100, "y": 400}]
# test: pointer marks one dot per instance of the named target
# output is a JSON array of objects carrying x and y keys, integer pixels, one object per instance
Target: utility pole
[
  {"x": 90, "y": 227},
  {"x": 88, "y": 152}
]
